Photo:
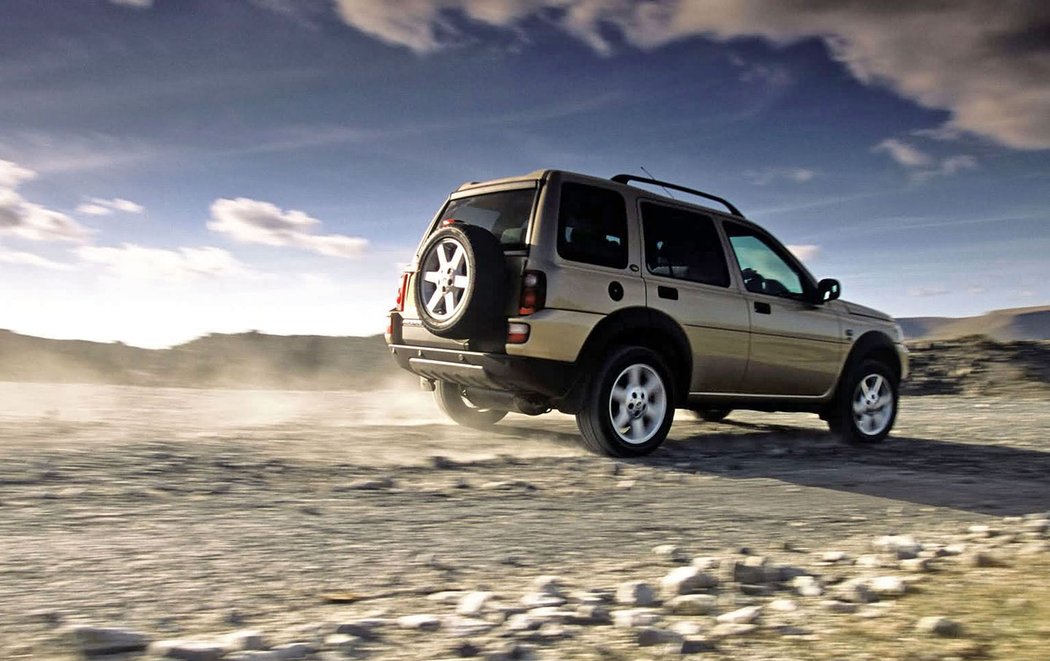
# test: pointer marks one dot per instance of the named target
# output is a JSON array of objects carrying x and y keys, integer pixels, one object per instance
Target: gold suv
[{"x": 556, "y": 290}]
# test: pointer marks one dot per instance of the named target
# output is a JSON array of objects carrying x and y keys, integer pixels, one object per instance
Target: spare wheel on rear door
[{"x": 461, "y": 282}]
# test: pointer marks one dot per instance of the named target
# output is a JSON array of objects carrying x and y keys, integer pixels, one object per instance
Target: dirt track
[{"x": 183, "y": 512}]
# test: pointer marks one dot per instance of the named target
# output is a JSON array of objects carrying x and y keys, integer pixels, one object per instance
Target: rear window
[{"x": 506, "y": 214}]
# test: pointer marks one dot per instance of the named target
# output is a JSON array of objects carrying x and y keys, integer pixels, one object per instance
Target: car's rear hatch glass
[{"x": 505, "y": 214}]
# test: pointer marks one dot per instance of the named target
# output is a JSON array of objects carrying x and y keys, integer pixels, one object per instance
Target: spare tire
[{"x": 461, "y": 282}]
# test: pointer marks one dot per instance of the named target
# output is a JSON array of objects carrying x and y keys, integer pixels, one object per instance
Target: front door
[{"x": 796, "y": 346}]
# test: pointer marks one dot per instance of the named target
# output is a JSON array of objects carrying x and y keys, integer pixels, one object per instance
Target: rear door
[
  {"x": 687, "y": 276},
  {"x": 796, "y": 346}
]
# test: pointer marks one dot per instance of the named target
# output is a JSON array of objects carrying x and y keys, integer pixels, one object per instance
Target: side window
[
  {"x": 765, "y": 271},
  {"x": 683, "y": 244},
  {"x": 592, "y": 226}
]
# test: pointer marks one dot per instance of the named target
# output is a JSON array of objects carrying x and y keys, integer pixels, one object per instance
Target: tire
[
  {"x": 450, "y": 400},
  {"x": 866, "y": 405},
  {"x": 712, "y": 415},
  {"x": 461, "y": 283},
  {"x": 628, "y": 406}
]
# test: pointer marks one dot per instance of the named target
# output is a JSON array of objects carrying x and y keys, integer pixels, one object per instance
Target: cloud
[
  {"x": 804, "y": 252},
  {"x": 986, "y": 63},
  {"x": 903, "y": 153},
  {"x": 20, "y": 258},
  {"x": 769, "y": 175},
  {"x": 138, "y": 263},
  {"x": 139, "y": 4},
  {"x": 253, "y": 221},
  {"x": 922, "y": 165},
  {"x": 924, "y": 292},
  {"x": 28, "y": 220},
  {"x": 99, "y": 207}
]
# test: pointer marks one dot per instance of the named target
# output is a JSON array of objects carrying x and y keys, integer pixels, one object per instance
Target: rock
[
  {"x": 650, "y": 636},
  {"x": 290, "y": 651},
  {"x": 473, "y": 603},
  {"x": 187, "y": 650},
  {"x": 420, "y": 622},
  {"x": 835, "y": 606},
  {"x": 552, "y": 585},
  {"x": 447, "y": 596},
  {"x": 985, "y": 559},
  {"x": 244, "y": 640},
  {"x": 541, "y": 600},
  {"x": 1036, "y": 526},
  {"x": 954, "y": 549},
  {"x": 868, "y": 561},
  {"x": 755, "y": 570},
  {"x": 807, "y": 586},
  {"x": 686, "y": 580},
  {"x": 686, "y": 628},
  {"x": 671, "y": 552},
  {"x": 591, "y": 614},
  {"x": 366, "y": 484},
  {"x": 901, "y": 546},
  {"x": 728, "y": 629},
  {"x": 522, "y": 622},
  {"x": 917, "y": 565},
  {"x": 757, "y": 590},
  {"x": 692, "y": 604},
  {"x": 783, "y": 605},
  {"x": 887, "y": 586},
  {"x": 982, "y": 531},
  {"x": 49, "y": 616},
  {"x": 626, "y": 484},
  {"x": 1034, "y": 548},
  {"x": 442, "y": 463},
  {"x": 705, "y": 563},
  {"x": 96, "y": 641},
  {"x": 512, "y": 651},
  {"x": 939, "y": 626},
  {"x": 855, "y": 590},
  {"x": 465, "y": 650},
  {"x": 635, "y": 593},
  {"x": 746, "y": 615},
  {"x": 635, "y": 617},
  {"x": 467, "y": 626},
  {"x": 696, "y": 645},
  {"x": 342, "y": 643},
  {"x": 551, "y": 614},
  {"x": 366, "y": 628},
  {"x": 832, "y": 557}
]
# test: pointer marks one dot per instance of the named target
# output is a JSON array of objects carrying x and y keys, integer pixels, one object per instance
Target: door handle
[
  {"x": 763, "y": 308},
  {"x": 669, "y": 293}
]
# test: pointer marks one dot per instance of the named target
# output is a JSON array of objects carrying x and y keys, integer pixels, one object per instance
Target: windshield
[{"x": 506, "y": 214}]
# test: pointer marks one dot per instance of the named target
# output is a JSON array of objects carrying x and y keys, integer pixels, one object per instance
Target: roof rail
[{"x": 626, "y": 178}]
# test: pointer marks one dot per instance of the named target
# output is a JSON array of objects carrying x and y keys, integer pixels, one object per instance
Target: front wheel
[
  {"x": 453, "y": 403},
  {"x": 629, "y": 404},
  {"x": 867, "y": 405}
]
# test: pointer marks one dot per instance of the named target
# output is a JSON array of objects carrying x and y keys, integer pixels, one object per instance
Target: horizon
[{"x": 170, "y": 170}]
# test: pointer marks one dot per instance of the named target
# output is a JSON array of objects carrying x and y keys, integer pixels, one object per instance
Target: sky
[{"x": 171, "y": 168}]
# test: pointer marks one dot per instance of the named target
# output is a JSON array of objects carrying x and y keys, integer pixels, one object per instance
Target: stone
[
  {"x": 540, "y": 600},
  {"x": 887, "y": 586},
  {"x": 635, "y": 617},
  {"x": 917, "y": 565},
  {"x": 635, "y": 593},
  {"x": 855, "y": 590},
  {"x": 836, "y": 606},
  {"x": 465, "y": 650},
  {"x": 868, "y": 561},
  {"x": 696, "y": 645},
  {"x": 340, "y": 642},
  {"x": 692, "y": 604},
  {"x": 420, "y": 622},
  {"x": 671, "y": 552},
  {"x": 686, "y": 628},
  {"x": 552, "y": 585},
  {"x": 985, "y": 559},
  {"x": 705, "y": 563},
  {"x": 650, "y": 636},
  {"x": 467, "y": 626},
  {"x": 783, "y": 605},
  {"x": 746, "y": 615},
  {"x": 244, "y": 640},
  {"x": 522, "y": 622},
  {"x": 473, "y": 603},
  {"x": 686, "y": 580},
  {"x": 939, "y": 626},
  {"x": 366, "y": 628},
  {"x": 366, "y": 484},
  {"x": 447, "y": 596},
  {"x": 96, "y": 641},
  {"x": 752, "y": 570},
  {"x": 729, "y": 629},
  {"x": 901, "y": 546},
  {"x": 981, "y": 531},
  {"x": 591, "y": 614},
  {"x": 187, "y": 650},
  {"x": 807, "y": 586},
  {"x": 834, "y": 556}
]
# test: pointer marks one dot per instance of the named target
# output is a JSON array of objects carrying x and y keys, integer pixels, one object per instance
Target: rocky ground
[{"x": 152, "y": 523}]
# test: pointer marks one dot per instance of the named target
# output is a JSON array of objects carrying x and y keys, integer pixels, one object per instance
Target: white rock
[
  {"x": 290, "y": 651},
  {"x": 834, "y": 556},
  {"x": 447, "y": 596},
  {"x": 551, "y": 614},
  {"x": 187, "y": 650},
  {"x": 835, "y": 606},
  {"x": 244, "y": 640},
  {"x": 552, "y": 585},
  {"x": 807, "y": 586},
  {"x": 649, "y": 636},
  {"x": 422, "y": 622},
  {"x": 686, "y": 580},
  {"x": 686, "y": 628},
  {"x": 635, "y": 593},
  {"x": 93, "y": 641},
  {"x": 706, "y": 562},
  {"x": 727, "y": 629},
  {"x": 888, "y": 586},
  {"x": 783, "y": 605},
  {"x": 902, "y": 546},
  {"x": 746, "y": 615},
  {"x": 365, "y": 627},
  {"x": 540, "y": 600},
  {"x": 868, "y": 561},
  {"x": 342, "y": 643},
  {"x": 671, "y": 552},
  {"x": 692, "y": 604},
  {"x": 467, "y": 626},
  {"x": 473, "y": 603},
  {"x": 856, "y": 590},
  {"x": 635, "y": 617}
]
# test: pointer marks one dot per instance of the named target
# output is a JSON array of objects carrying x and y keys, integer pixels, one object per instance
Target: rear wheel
[
  {"x": 867, "y": 404},
  {"x": 629, "y": 404},
  {"x": 453, "y": 403}
]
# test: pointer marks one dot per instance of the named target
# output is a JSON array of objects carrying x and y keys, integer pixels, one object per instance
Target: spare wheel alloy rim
[
  {"x": 637, "y": 404},
  {"x": 872, "y": 404},
  {"x": 446, "y": 279}
]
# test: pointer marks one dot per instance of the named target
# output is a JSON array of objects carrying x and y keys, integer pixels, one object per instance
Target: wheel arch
[
  {"x": 643, "y": 327},
  {"x": 873, "y": 345}
]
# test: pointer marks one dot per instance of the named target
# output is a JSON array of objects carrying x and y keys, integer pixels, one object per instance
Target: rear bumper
[{"x": 472, "y": 369}]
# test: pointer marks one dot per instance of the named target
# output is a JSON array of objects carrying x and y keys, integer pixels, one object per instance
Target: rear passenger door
[{"x": 687, "y": 276}]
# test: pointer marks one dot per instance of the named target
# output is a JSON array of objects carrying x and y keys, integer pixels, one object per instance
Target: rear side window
[
  {"x": 506, "y": 214},
  {"x": 592, "y": 226},
  {"x": 682, "y": 244}
]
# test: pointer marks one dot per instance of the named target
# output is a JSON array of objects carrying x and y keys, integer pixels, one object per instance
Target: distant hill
[
  {"x": 1001, "y": 325},
  {"x": 242, "y": 360}
]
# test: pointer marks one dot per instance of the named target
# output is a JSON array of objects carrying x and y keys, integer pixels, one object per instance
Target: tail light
[
  {"x": 402, "y": 290},
  {"x": 533, "y": 292}
]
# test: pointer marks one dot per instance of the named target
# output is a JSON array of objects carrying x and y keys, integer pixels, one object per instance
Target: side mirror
[{"x": 828, "y": 289}]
